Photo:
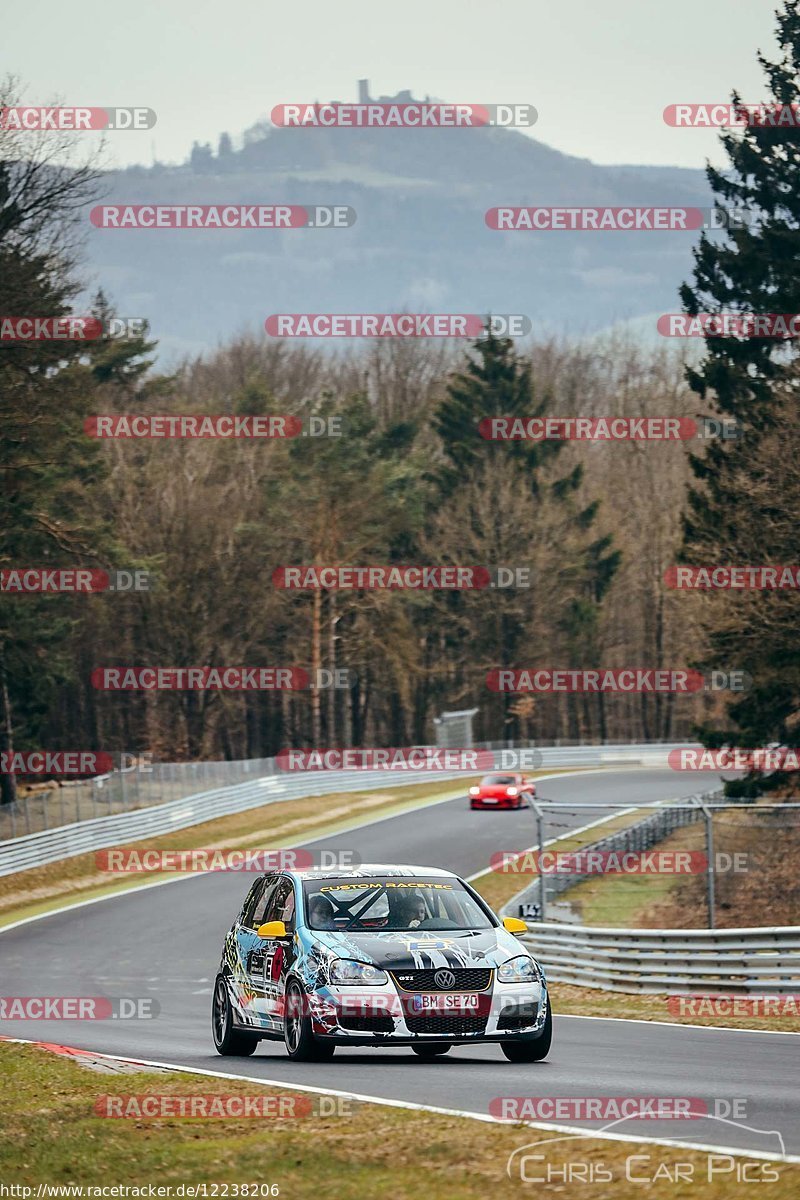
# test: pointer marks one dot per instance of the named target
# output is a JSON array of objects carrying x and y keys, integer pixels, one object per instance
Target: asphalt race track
[{"x": 165, "y": 942}]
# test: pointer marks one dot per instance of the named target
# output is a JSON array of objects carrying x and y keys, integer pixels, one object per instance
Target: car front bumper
[{"x": 357, "y": 1017}]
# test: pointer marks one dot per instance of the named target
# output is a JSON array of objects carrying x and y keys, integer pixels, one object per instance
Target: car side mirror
[
  {"x": 273, "y": 929},
  {"x": 511, "y": 924}
]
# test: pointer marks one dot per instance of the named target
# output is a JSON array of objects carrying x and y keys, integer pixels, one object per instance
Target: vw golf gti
[{"x": 381, "y": 955}]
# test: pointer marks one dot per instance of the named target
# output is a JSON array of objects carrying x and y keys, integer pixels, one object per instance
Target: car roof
[{"x": 369, "y": 870}]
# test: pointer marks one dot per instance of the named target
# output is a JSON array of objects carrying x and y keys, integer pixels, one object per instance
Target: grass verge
[
  {"x": 764, "y": 843},
  {"x": 53, "y": 1136},
  {"x": 624, "y": 900}
]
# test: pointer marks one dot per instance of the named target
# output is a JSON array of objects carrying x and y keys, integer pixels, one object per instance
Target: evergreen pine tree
[
  {"x": 736, "y": 514},
  {"x": 497, "y": 382}
]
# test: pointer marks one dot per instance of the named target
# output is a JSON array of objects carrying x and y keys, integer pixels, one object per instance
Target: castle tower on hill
[{"x": 404, "y": 97}]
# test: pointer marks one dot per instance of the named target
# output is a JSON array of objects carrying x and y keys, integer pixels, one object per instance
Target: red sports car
[{"x": 502, "y": 791}]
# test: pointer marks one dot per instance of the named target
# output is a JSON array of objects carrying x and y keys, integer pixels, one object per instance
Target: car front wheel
[
  {"x": 531, "y": 1049},
  {"x": 301, "y": 1043},
  {"x": 227, "y": 1039}
]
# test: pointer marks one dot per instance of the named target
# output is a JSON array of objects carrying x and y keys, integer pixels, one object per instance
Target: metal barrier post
[
  {"x": 709, "y": 816},
  {"x": 539, "y": 848}
]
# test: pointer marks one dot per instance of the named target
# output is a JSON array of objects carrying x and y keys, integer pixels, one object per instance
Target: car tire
[
  {"x": 431, "y": 1049},
  {"x": 531, "y": 1049},
  {"x": 227, "y": 1039},
  {"x": 302, "y": 1045}
]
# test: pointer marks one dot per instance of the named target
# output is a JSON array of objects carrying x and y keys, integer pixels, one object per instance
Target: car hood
[{"x": 422, "y": 948}]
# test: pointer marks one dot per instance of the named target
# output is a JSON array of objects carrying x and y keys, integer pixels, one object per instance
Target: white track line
[
  {"x": 677, "y": 1024},
  {"x": 389, "y": 1102},
  {"x": 610, "y": 816}
]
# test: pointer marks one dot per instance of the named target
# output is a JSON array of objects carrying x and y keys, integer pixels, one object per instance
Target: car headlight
[
  {"x": 511, "y": 791},
  {"x": 474, "y": 791},
  {"x": 347, "y": 970},
  {"x": 522, "y": 969}
]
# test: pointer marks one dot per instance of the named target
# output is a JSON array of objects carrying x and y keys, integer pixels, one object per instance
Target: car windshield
[
  {"x": 391, "y": 904},
  {"x": 495, "y": 780}
]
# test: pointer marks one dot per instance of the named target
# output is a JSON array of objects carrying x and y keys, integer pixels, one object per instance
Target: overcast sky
[{"x": 600, "y": 72}]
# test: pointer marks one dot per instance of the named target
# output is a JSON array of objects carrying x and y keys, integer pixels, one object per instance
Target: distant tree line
[{"x": 409, "y": 481}]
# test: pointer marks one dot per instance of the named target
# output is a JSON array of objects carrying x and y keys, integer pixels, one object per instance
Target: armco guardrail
[
  {"x": 37, "y": 849},
  {"x": 98, "y": 833},
  {"x": 677, "y": 961},
  {"x": 142, "y": 783}
]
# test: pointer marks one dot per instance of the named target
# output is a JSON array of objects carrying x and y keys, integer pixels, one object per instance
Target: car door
[
  {"x": 250, "y": 950},
  {"x": 279, "y": 952}
]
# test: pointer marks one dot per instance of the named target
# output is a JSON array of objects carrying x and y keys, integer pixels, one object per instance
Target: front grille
[
  {"x": 469, "y": 979},
  {"x": 379, "y": 1024},
  {"x": 445, "y": 1024}
]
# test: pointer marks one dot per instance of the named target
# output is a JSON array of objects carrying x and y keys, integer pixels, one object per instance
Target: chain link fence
[
  {"x": 719, "y": 864},
  {"x": 49, "y": 806},
  {"x": 139, "y": 786},
  {"x": 638, "y": 838}
]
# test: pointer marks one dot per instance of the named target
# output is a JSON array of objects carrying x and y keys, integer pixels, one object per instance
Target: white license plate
[
  {"x": 446, "y": 1003},
  {"x": 488, "y": 800}
]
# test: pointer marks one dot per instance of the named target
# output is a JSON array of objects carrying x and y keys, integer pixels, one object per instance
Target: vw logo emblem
[{"x": 444, "y": 979}]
